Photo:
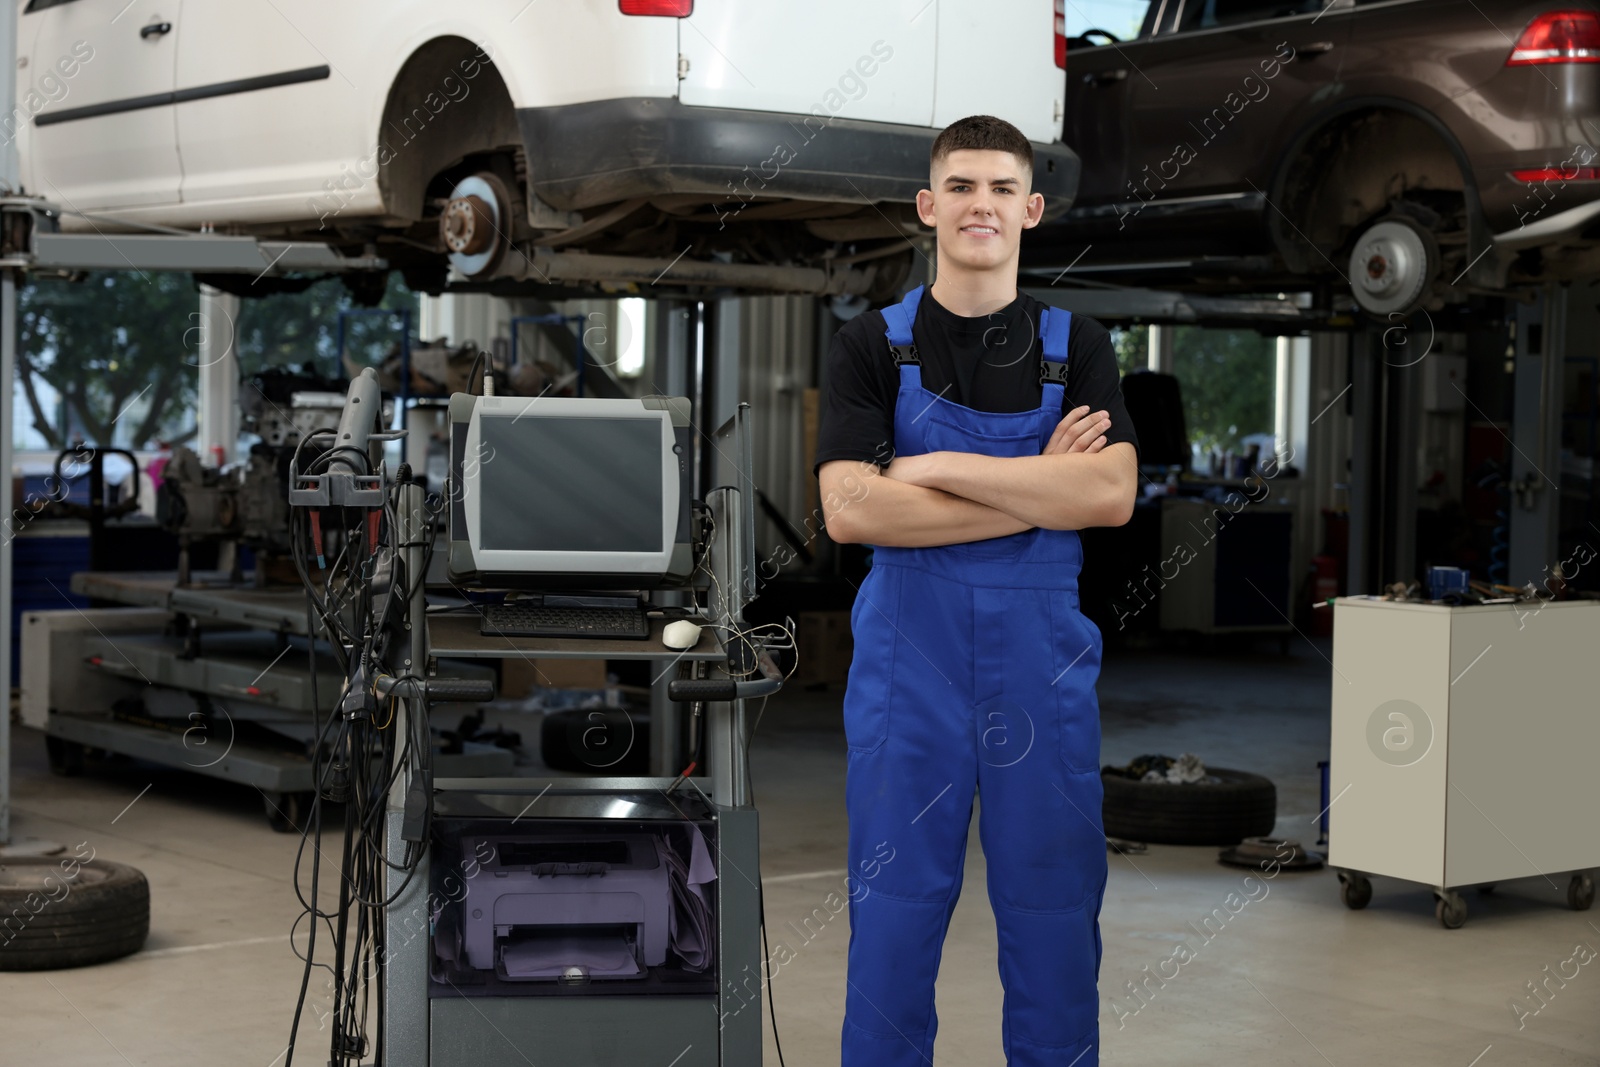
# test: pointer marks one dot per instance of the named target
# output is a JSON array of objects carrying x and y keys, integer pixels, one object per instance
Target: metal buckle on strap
[
  {"x": 904, "y": 354},
  {"x": 1052, "y": 371}
]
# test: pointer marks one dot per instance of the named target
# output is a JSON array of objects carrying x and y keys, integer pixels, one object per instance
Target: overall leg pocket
[
  {"x": 869, "y": 683},
  {"x": 1077, "y": 644}
]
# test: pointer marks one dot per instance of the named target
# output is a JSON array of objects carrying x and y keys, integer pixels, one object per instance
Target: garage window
[
  {"x": 1227, "y": 379},
  {"x": 103, "y": 361}
]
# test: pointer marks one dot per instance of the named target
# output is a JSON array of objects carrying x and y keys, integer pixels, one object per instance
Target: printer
[
  {"x": 575, "y": 907},
  {"x": 566, "y": 907}
]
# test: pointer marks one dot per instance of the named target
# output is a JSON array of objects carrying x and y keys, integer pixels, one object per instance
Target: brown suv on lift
[{"x": 1409, "y": 149}]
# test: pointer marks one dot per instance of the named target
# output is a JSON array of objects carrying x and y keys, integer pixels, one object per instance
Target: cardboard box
[
  {"x": 520, "y": 676},
  {"x": 825, "y": 645}
]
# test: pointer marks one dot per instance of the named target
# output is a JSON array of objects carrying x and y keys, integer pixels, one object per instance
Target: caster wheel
[
  {"x": 1451, "y": 911},
  {"x": 1580, "y": 892},
  {"x": 1486, "y": 889},
  {"x": 1355, "y": 890},
  {"x": 66, "y": 757},
  {"x": 287, "y": 812}
]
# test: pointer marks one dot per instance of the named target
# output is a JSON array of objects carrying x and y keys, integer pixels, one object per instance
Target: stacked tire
[
  {"x": 70, "y": 912},
  {"x": 1226, "y": 808}
]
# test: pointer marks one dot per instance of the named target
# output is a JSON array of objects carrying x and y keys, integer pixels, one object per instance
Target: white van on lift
[{"x": 544, "y": 141}]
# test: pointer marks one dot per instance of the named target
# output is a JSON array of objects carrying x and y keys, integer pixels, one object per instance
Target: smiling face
[{"x": 979, "y": 205}]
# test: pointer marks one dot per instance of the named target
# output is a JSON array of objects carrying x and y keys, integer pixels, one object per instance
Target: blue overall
[{"x": 974, "y": 670}]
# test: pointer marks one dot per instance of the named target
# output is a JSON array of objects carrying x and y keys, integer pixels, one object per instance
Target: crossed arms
[{"x": 943, "y": 498}]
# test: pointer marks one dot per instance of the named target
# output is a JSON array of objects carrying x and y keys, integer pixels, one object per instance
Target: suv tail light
[
  {"x": 1557, "y": 174},
  {"x": 1558, "y": 37},
  {"x": 1061, "y": 34},
  {"x": 680, "y": 9}
]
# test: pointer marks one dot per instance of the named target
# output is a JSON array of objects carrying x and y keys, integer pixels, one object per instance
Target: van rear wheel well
[{"x": 448, "y": 110}]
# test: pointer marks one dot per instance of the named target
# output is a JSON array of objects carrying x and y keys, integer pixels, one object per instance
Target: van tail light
[
  {"x": 1558, "y": 37},
  {"x": 679, "y": 9},
  {"x": 1061, "y": 34},
  {"x": 1557, "y": 174}
]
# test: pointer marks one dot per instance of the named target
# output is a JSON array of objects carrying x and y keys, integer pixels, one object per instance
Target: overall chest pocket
[{"x": 1019, "y": 438}]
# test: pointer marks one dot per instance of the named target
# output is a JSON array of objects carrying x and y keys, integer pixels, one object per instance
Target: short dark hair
[{"x": 982, "y": 133}]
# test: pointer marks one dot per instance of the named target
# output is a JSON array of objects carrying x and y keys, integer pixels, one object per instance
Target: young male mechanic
[{"x": 1002, "y": 427}]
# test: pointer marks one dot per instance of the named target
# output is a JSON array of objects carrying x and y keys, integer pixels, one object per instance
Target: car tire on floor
[
  {"x": 64, "y": 912},
  {"x": 1224, "y": 810}
]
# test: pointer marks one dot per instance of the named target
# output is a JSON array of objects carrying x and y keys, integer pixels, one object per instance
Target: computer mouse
[{"x": 680, "y": 634}]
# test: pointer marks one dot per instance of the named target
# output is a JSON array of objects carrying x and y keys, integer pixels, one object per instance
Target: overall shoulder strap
[
  {"x": 898, "y": 319},
  {"x": 1055, "y": 324}
]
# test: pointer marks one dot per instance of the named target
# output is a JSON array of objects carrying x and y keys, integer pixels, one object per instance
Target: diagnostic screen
[{"x": 570, "y": 484}]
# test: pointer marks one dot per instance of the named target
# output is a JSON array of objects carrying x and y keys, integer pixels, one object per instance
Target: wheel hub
[
  {"x": 1390, "y": 268},
  {"x": 1391, "y": 265},
  {"x": 467, "y": 226},
  {"x": 475, "y": 225}
]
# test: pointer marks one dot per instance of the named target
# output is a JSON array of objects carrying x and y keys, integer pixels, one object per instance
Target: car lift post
[
  {"x": 1537, "y": 346},
  {"x": 8, "y": 378}
]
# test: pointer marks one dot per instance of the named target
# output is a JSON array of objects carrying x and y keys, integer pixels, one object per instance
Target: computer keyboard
[{"x": 532, "y": 620}]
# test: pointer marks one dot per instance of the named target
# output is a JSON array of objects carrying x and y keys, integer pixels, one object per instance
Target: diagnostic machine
[
  {"x": 567, "y": 492},
  {"x": 598, "y": 919}
]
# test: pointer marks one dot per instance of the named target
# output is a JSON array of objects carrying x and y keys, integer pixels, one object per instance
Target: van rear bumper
[{"x": 603, "y": 151}]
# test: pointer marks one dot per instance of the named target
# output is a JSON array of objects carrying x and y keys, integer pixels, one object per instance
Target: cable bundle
[{"x": 358, "y": 606}]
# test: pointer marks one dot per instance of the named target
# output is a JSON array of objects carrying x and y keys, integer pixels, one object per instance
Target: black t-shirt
[{"x": 989, "y": 363}]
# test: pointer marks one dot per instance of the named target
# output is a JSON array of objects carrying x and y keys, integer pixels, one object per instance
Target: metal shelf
[
  {"x": 214, "y": 600},
  {"x": 271, "y": 770},
  {"x": 457, "y": 637}
]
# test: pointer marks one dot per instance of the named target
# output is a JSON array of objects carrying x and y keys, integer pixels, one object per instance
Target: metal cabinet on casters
[{"x": 1463, "y": 745}]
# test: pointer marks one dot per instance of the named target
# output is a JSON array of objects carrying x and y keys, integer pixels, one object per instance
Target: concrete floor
[{"x": 1294, "y": 977}]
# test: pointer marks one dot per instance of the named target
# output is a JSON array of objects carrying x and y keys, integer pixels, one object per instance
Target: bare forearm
[
  {"x": 1056, "y": 492},
  {"x": 898, "y": 514}
]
